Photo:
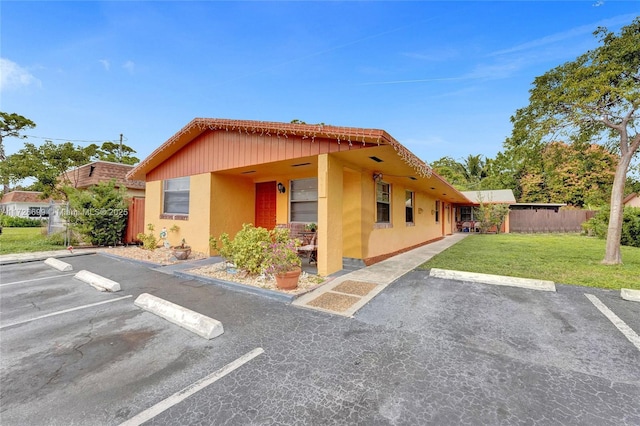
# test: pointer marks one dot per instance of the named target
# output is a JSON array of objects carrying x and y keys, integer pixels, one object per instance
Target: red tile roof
[
  {"x": 23, "y": 197},
  {"x": 268, "y": 128},
  {"x": 101, "y": 171}
]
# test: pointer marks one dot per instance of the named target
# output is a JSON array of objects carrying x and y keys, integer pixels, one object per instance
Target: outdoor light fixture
[
  {"x": 377, "y": 176},
  {"x": 281, "y": 188}
]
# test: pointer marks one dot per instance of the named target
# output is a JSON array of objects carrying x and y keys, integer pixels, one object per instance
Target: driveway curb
[
  {"x": 238, "y": 287},
  {"x": 12, "y": 259}
]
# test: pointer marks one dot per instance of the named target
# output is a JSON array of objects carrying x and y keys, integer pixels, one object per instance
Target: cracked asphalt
[{"x": 424, "y": 351}]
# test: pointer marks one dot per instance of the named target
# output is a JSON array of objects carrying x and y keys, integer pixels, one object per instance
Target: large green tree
[
  {"x": 117, "y": 153},
  {"x": 576, "y": 174},
  {"x": 595, "y": 97},
  {"x": 11, "y": 125},
  {"x": 463, "y": 175},
  {"x": 47, "y": 164}
]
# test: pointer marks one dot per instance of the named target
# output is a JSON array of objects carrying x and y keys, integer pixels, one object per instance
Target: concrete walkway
[{"x": 347, "y": 293}]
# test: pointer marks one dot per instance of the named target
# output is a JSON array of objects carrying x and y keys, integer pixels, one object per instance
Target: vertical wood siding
[
  {"x": 545, "y": 220},
  {"x": 222, "y": 150},
  {"x": 135, "y": 220}
]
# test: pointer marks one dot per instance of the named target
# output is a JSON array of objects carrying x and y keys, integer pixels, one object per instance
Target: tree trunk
[{"x": 614, "y": 231}]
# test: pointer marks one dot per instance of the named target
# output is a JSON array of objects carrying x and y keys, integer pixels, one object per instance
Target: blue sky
[{"x": 441, "y": 77}]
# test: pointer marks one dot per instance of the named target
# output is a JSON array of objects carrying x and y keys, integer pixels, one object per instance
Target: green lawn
[
  {"x": 22, "y": 240},
  {"x": 562, "y": 258}
]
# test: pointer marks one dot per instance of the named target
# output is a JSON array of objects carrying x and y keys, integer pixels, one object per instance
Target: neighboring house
[
  {"x": 632, "y": 200},
  {"x": 370, "y": 196},
  {"x": 27, "y": 204},
  {"x": 464, "y": 214},
  {"x": 103, "y": 171}
]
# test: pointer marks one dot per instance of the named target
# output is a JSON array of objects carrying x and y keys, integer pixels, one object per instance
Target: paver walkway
[{"x": 347, "y": 293}]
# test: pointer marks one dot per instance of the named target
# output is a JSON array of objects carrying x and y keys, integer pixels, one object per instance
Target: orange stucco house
[{"x": 369, "y": 195}]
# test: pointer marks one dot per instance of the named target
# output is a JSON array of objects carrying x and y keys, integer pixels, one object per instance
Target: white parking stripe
[
  {"x": 620, "y": 325},
  {"x": 35, "y": 279},
  {"x": 65, "y": 311},
  {"x": 180, "y": 396}
]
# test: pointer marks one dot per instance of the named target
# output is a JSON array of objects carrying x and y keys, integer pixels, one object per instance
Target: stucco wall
[
  {"x": 196, "y": 229},
  {"x": 232, "y": 204},
  {"x": 384, "y": 240}
]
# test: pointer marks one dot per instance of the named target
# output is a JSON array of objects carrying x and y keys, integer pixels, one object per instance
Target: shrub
[
  {"x": 58, "y": 238},
  {"x": 99, "y": 213},
  {"x": 20, "y": 222},
  {"x": 246, "y": 249},
  {"x": 280, "y": 254},
  {"x": 149, "y": 241},
  {"x": 597, "y": 226}
]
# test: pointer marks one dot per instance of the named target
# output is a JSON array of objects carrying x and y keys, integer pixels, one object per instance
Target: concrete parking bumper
[
  {"x": 97, "y": 281},
  {"x": 631, "y": 295},
  {"x": 193, "y": 321},
  {"x": 531, "y": 284},
  {"x": 58, "y": 264}
]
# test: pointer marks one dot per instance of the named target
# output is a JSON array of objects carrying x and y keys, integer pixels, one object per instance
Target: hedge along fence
[
  {"x": 21, "y": 222},
  {"x": 548, "y": 220}
]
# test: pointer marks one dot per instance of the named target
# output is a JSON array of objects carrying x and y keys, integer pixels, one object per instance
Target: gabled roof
[
  {"x": 102, "y": 171},
  {"x": 494, "y": 196},
  {"x": 349, "y": 135},
  {"x": 23, "y": 197}
]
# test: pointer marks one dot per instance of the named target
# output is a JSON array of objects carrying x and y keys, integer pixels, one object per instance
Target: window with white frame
[
  {"x": 437, "y": 211},
  {"x": 383, "y": 202},
  {"x": 303, "y": 201},
  {"x": 176, "y": 196},
  {"x": 408, "y": 206}
]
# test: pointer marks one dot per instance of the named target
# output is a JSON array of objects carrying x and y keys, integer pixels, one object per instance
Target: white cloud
[
  {"x": 105, "y": 63},
  {"x": 13, "y": 76},
  {"x": 129, "y": 66},
  {"x": 565, "y": 35}
]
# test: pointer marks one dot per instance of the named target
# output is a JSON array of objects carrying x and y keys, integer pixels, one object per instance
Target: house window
[
  {"x": 408, "y": 206},
  {"x": 304, "y": 200},
  {"x": 465, "y": 214},
  {"x": 176, "y": 196},
  {"x": 437, "y": 211},
  {"x": 383, "y": 202}
]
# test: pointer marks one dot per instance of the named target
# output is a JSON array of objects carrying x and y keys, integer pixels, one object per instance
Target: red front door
[{"x": 266, "y": 205}]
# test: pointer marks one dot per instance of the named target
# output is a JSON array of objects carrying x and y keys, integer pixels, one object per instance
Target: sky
[{"x": 443, "y": 78}]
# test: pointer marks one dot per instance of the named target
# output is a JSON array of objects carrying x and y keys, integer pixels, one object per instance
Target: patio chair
[{"x": 310, "y": 250}]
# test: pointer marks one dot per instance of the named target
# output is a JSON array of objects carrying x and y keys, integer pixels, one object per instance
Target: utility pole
[{"x": 120, "y": 150}]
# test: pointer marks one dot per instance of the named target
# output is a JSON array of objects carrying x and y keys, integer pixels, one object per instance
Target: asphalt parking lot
[{"x": 424, "y": 351}]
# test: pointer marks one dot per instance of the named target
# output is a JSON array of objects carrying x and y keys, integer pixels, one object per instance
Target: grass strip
[{"x": 562, "y": 258}]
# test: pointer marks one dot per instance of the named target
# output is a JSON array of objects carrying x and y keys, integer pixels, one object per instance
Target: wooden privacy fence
[
  {"x": 546, "y": 220},
  {"x": 135, "y": 220}
]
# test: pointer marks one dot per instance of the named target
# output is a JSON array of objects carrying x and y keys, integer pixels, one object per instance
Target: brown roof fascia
[
  {"x": 348, "y": 135},
  {"x": 630, "y": 197}
]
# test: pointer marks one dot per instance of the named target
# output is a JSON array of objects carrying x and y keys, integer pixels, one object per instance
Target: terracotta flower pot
[{"x": 288, "y": 280}]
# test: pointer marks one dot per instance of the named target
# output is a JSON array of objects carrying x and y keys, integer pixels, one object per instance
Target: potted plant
[
  {"x": 182, "y": 251},
  {"x": 312, "y": 227},
  {"x": 281, "y": 259}
]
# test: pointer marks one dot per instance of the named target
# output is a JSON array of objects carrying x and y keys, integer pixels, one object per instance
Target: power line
[{"x": 78, "y": 140}]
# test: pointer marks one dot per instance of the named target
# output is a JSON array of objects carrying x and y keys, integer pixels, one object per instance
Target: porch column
[{"x": 329, "y": 215}]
